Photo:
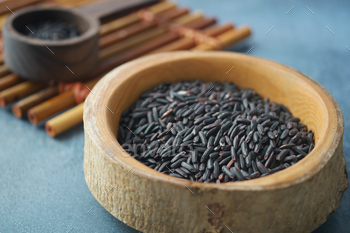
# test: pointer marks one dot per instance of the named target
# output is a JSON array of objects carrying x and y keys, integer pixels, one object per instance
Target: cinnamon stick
[
  {"x": 50, "y": 107},
  {"x": 9, "y": 81},
  {"x": 65, "y": 121},
  {"x": 21, "y": 107},
  {"x": 19, "y": 91}
]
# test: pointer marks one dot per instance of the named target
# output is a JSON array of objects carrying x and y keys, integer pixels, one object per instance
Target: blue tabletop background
[{"x": 42, "y": 185}]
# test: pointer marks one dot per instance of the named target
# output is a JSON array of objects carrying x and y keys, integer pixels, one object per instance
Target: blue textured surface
[{"x": 42, "y": 186}]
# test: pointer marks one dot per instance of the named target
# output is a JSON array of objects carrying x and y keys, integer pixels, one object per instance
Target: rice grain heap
[{"x": 212, "y": 132}]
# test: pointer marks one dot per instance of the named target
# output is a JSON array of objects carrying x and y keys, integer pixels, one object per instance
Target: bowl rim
[{"x": 96, "y": 110}]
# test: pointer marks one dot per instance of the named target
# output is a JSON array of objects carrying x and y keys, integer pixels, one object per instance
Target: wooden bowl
[
  {"x": 45, "y": 60},
  {"x": 297, "y": 199},
  {"x": 66, "y": 60}
]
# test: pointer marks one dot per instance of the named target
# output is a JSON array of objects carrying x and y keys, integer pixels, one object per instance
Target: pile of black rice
[{"x": 212, "y": 132}]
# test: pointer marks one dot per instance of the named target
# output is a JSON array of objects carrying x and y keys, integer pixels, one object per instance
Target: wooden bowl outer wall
[
  {"x": 45, "y": 60},
  {"x": 297, "y": 199}
]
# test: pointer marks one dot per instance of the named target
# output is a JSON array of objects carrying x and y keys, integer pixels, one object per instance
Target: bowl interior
[
  {"x": 35, "y": 17},
  {"x": 17, "y": 24},
  {"x": 21, "y": 22},
  {"x": 304, "y": 97}
]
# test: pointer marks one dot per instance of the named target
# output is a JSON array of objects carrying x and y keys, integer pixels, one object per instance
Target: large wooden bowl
[{"x": 297, "y": 199}]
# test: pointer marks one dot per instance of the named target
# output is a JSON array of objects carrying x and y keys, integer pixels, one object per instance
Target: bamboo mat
[{"x": 158, "y": 28}]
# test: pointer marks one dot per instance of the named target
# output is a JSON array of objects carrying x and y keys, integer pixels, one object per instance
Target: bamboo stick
[
  {"x": 4, "y": 70},
  {"x": 77, "y": 94},
  {"x": 189, "y": 18},
  {"x": 136, "y": 28},
  {"x": 226, "y": 39},
  {"x": 200, "y": 23},
  {"x": 9, "y": 81},
  {"x": 21, "y": 107},
  {"x": 171, "y": 14},
  {"x": 216, "y": 30},
  {"x": 181, "y": 44},
  {"x": 19, "y": 91},
  {"x": 129, "y": 43},
  {"x": 141, "y": 50},
  {"x": 122, "y": 34},
  {"x": 14, "y": 4},
  {"x": 233, "y": 36},
  {"x": 133, "y": 18},
  {"x": 188, "y": 43},
  {"x": 65, "y": 121},
  {"x": 50, "y": 107},
  {"x": 185, "y": 42},
  {"x": 143, "y": 37}
]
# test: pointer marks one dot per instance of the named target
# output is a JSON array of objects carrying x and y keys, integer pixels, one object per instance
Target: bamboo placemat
[{"x": 158, "y": 28}]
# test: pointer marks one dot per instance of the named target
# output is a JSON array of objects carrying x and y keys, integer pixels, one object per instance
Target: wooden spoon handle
[{"x": 102, "y": 10}]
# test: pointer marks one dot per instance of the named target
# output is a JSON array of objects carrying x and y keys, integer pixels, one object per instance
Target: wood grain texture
[
  {"x": 297, "y": 199},
  {"x": 21, "y": 108},
  {"x": 136, "y": 28},
  {"x": 131, "y": 42},
  {"x": 133, "y": 18},
  {"x": 107, "y": 9},
  {"x": 65, "y": 121},
  {"x": 14, "y": 4},
  {"x": 4, "y": 70},
  {"x": 225, "y": 39},
  {"x": 9, "y": 81},
  {"x": 50, "y": 107},
  {"x": 188, "y": 43},
  {"x": 19, "y": 91}
]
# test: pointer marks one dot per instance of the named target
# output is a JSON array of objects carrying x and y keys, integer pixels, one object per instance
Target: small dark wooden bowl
[{"x": 45, "y": 60}]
